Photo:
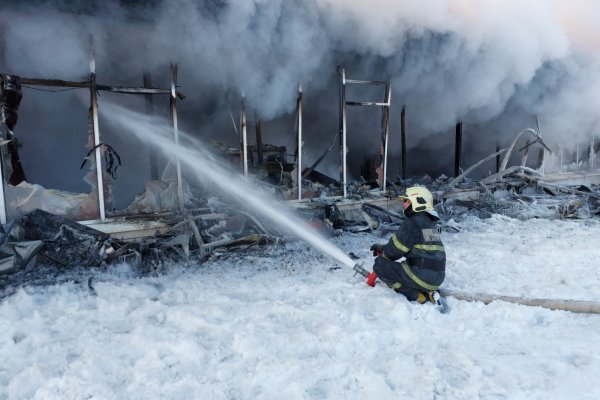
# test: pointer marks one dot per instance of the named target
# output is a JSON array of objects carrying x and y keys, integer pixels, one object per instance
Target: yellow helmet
[{"x": 420, "y": 198}]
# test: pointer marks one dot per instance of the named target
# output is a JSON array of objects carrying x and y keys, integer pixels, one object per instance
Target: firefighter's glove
[
  {"x": 377, "y": 250},
  {"x": 371, "y": 279}
]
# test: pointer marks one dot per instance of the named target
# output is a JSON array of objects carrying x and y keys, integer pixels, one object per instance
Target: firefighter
[{"x": 418, "y": 240}]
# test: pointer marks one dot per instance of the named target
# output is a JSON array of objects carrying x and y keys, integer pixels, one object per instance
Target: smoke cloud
[{"x": 493, "y": 64}]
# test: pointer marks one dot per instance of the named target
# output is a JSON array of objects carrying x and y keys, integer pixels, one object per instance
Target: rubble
[{"x": 171, "y": 223}]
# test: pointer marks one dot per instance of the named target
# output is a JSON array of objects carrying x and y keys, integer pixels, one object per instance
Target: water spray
[{"x": 194, "y": 154}]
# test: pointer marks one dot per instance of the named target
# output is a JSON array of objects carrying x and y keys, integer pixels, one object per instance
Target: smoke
[{"x": 482, "y": 62}]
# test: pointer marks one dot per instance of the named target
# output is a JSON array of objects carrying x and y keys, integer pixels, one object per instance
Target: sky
[
  {"x": 494, "y": 65},
  {"x": 287, "y": 322}
]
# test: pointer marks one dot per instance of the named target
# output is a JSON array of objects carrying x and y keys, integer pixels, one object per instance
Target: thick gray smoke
[{"x": 493, "y": 64}]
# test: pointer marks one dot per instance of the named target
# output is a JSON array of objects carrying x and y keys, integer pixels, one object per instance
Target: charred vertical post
[
  {"x": 385, "y": 116},
  {"x": 541, "y": 157},
  {"x": 95, "y": 127},
  {"x": 592, "y": 153},
  {"x": 403, "y": 140},
  {"x": 9, "y": 104},
  {"x": 497, "y": 157},
  {"x": 259, "y": 143},
  {"x": 2, "y": 196},
  {"x": 176, "y": 135},
  {"x": 244, "y": 138},
  {"x": 152, "y": 154},
  {"x": 543, "y": 150},
  {"x": 299, "y": 141},
  {"x": 457, "y": 149},
  {"x": 10, "y": 99},
  {"x": 342, "y": 129}
]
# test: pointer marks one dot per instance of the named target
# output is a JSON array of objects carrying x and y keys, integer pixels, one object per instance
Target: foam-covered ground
[{"x": 286, "y": 322}]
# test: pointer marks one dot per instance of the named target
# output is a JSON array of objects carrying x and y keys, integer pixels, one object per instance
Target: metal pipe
[
  {"x": 176, "y": 135},
  {"x": 366, "y": 103},
  {"x": 299, "y": 158},
  {"x": 386, "y": 115},
  {"x": 87, "y": 84},
  {"x": 95, "y": 125},
  {"x": 363, "y": 82},
  {"x": 343, "y": 143}
]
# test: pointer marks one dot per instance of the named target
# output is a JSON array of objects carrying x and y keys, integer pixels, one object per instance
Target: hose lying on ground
[{"x": 576, "y": 306}]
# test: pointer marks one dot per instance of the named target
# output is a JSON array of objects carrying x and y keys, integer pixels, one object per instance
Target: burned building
[{"x": 170, "y": 220}]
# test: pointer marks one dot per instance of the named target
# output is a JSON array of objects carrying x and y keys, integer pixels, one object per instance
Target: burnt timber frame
[
  {"x": 94, "y": 87},
  {"x": 385, "y": 113},
  {"x": 403, "y": 140},
  {"x": 457, "y": 149}
]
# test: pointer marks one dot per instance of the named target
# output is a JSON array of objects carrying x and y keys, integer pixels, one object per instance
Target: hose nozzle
[{"x": 360, "y": 270}]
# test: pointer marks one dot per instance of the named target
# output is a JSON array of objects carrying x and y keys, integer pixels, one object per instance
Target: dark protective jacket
[{"x": 418, "y": 239}]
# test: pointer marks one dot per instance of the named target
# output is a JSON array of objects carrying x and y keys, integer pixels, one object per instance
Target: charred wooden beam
[
  {"x": 592, "y": 154},
  {"x": 10, "y": 99},
  {"x": 403, "y": 140},
  {"x": 542, "y": 153},
  {"x": 259, "y": 143},
  {"x": 3, "y": 220},
  {"x": 458, "y": 149},
  {"x": 497, "y": 157}
]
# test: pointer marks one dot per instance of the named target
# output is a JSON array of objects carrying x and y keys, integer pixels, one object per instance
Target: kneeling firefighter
[{"x": 418, "y": 240}]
